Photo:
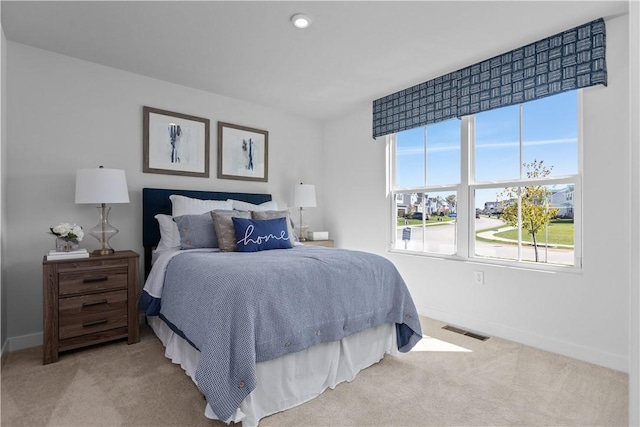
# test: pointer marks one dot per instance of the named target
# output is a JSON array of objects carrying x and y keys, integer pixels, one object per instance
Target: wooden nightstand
[
  {"x": 89, "y": 301},
  {"x": 326, "y": 243}
]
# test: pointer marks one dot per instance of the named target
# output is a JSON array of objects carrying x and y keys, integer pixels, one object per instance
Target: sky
[{"x": 549, "y": 133}]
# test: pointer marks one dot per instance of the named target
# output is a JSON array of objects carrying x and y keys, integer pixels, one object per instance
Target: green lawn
[
  {"x": 432, "y": 220},
  {"x": 560, "y": 232}
]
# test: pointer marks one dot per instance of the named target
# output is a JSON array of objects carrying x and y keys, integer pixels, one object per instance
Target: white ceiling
[{"x": 353, "y": 53}]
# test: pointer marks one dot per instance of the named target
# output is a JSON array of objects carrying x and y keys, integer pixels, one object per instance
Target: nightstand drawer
[
  {"x": 91, "y": 263},
  {"x": 83, "y": 281},
  {"x": 88, "y": 314}
]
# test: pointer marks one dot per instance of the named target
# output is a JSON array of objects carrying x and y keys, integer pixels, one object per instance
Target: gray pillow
[
  {"x": 225, "y": 231},
  {"x": 196, "y": 231},
  {"x": 262, "y": 215}
]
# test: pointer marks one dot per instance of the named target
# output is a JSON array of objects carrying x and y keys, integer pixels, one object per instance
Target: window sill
[{"x": 516, "y": 265}]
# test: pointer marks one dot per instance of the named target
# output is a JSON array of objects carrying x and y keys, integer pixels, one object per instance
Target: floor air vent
[{"x": 463, "y": 332}]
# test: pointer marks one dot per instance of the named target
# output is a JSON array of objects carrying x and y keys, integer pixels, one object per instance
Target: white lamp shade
[
  {"x": 101, "y": 185},
  {"x": 304, "y": 195}
]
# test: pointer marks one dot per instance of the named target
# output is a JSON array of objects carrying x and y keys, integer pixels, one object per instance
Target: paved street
[{"x": 441, "y": 238}]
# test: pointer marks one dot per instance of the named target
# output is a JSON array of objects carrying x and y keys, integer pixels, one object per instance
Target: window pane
[
  {"x": 497, "y": 146},
  {"x": 443, "y": 153},
  {"x": 410, "y": 158},
  {"x": 429, "y": 223},
  {"x": 488, "y": 222},
  {"x": 546, "y": 210},
  {"x": 409, "y": 217},
  {"x": 550, "y": 132}
]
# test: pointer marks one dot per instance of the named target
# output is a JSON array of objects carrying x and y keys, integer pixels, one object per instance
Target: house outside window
[{"x": 501, "y": 186}]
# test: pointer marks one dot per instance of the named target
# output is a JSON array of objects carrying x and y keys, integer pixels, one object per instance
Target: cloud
[
  {"x": 420, "y": 149},
  {"x": 527, "y": 143},
  {"x": 415, "y": 150}
]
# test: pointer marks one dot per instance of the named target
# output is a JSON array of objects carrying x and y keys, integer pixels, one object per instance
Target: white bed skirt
[{"x": 294, "y": 378}]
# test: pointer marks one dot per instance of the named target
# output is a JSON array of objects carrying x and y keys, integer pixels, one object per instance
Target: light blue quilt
[{"x": 239, "y": 309}]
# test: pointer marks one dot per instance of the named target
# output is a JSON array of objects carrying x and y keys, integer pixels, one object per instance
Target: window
[{"x": 502, "y": 186}]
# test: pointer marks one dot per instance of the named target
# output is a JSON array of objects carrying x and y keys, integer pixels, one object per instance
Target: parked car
[
  {"x": 418, "y": 215},
  {"x": 452, "y": 215}
]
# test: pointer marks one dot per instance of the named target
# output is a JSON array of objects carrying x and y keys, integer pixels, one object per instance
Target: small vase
[{"x": 65, "y": 245}]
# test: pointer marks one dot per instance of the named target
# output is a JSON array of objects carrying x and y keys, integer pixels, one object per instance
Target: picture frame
[
  {"x": 243, "y": 153},
  {"x": 175, "y": 143}
]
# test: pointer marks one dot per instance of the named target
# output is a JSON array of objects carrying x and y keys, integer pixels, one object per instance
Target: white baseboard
[
  {"x": 23, "y": 341},
  {"x": 5, "y": 346},
  {"x": 575, "y": 351},
  {"x": 553, "y": 345}
]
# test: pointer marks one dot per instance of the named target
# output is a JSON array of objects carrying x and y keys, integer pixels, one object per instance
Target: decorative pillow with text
[
  {"x": 261, "y": 235},
  {"x": 274, "y": 215}
]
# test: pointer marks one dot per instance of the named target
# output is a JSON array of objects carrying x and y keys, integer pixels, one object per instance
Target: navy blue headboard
[{"x": 156, "y": 201}]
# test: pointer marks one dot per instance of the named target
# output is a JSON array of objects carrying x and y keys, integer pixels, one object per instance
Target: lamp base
[
  {"x": 302, "y": 233},
  {"x": 101, "y": 252},
  {"x": 302, "y": 237},
  {"x": 103, "y": 232}
]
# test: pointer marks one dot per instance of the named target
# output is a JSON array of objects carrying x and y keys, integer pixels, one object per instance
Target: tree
[
  {"x": 536, "y": 212},
  {"x": 451, "y": 200}
]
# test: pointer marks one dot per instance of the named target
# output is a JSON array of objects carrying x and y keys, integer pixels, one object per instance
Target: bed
[{"x": 264, "y": 330}]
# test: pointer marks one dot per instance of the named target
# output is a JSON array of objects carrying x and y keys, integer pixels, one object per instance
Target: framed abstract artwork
[
  {"x": 243, "y": 153},
  {"x": 175, "y": 143}
]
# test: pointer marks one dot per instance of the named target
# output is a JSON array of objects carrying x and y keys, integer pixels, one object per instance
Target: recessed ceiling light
[{"x": 300, "y": 20}]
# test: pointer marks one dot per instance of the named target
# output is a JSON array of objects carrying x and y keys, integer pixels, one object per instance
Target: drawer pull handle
[
  {"x": 96, "y": 279},
  {"x": 94, "y": 323},
  {"x": 91, "y": 304}
]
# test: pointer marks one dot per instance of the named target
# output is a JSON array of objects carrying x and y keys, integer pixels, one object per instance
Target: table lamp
[
  {"x": 304, "y": 196},
  {"x": 102, "y": 186}
]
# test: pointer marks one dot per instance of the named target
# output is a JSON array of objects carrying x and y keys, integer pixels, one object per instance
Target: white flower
[
  {"x": 62, "y": 230},
  {"x": 67, "y": 231},
  {"x": 77, "y": 231}
]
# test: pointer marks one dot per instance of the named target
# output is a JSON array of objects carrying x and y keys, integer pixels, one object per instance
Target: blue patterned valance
[
  {"x": 428, "y": 102},
  {"x": 570, "y": 60}
]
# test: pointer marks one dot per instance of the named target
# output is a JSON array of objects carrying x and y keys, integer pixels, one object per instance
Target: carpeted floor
[{"x": 449, "y": 379}]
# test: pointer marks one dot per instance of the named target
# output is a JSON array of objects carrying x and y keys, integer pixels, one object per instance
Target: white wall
[
  {"x": 581, "y": 315},
  {"x": 3, "y": 182},
  {"x": 634, "y": 224},
  {"x": 65, "y": 114}
]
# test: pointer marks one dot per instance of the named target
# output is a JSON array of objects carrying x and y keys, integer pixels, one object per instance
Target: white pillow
[
  {"x": 245, "y": 206},
  {"x": 169, "y": 233},
  {"x": 181, "y": 205}
]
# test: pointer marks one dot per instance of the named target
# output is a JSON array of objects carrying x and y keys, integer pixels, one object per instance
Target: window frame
[{"x": 466, "y": 233}]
